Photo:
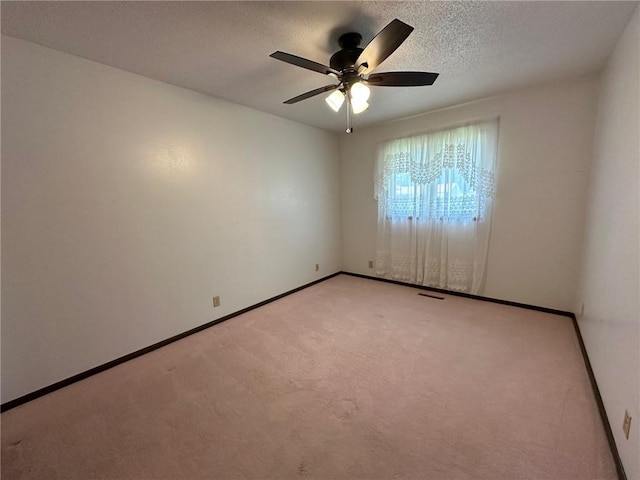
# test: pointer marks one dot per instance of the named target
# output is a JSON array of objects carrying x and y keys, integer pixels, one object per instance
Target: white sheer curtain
[{"x": 435, "y": 194}]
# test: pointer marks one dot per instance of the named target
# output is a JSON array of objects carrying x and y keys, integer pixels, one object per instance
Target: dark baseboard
[
  {"x": 465, "y": 295},
  {"x": 101, "y": 368},
  {"x": 603, "y": 413},
  {"x": 594, "y": 385}
]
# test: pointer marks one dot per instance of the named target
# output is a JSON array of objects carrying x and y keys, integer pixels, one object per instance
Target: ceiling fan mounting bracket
[
  {"x": 346, "y": 58},
  {"x": 349, "y": 40}
]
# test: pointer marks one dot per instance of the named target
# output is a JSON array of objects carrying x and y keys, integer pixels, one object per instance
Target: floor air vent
[{"x": 430, "y": 296}]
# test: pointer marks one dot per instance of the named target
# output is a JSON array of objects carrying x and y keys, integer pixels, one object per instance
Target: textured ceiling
[{"x": 222, "y": 48}]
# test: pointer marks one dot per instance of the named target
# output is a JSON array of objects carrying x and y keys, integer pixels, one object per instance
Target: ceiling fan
[{"x": 352, "y": 67}]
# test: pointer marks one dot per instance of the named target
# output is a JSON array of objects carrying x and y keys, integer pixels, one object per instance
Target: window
[
  {"x": 437, "y": 176},
  {"x": 435, "y": 194}
]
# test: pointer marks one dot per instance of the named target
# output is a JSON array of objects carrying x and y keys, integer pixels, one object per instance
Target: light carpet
[{"x": 348, "y": 379}]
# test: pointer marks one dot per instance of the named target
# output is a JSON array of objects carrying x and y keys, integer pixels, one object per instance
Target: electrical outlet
[
  {"x": 626, "y": 425},
  {"x": 370, "y": 263},
  {"x": 317, "y": 267},
  {"x": 216, "y": 301}
]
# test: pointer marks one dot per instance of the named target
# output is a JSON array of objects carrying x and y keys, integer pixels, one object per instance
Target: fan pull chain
[{"x": 349, "y": 124}]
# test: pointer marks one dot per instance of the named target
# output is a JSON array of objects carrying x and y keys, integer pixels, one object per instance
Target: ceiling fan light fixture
[
  {"x": 360, "y": 92},
  {"x": 335, "y": 100},
  {"x": 358, "y": 106}
]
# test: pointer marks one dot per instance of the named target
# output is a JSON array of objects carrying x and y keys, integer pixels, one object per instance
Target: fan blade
[
  {"x": 304, "y": 63},
  {"x": 312, "y": 93},
  {"x": 383, "y": 45},
  {"x": 401, "y": 79}
]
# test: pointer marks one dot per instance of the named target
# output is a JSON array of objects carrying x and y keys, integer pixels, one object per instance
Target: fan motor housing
[{"x": 346, "y": 58}]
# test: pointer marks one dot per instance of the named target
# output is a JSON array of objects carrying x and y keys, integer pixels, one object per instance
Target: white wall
[
  {"x": 128, "y": 203},
  {"x": 545, "y": 146},
  {"x": 610, "y": 285}
]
